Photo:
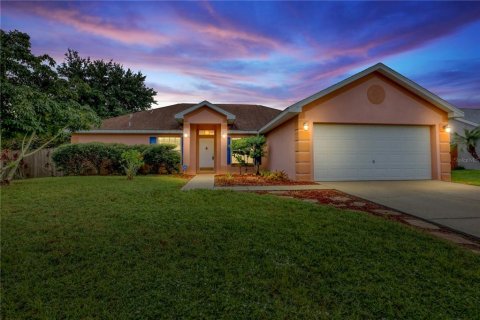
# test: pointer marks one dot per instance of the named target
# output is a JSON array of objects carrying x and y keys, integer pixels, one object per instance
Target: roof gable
[
  {"x": 391, "y": 74},
  {"x": 230, "y": 117}
]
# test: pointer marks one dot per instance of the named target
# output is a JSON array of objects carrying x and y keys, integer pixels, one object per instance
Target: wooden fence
[{"x": 38, "y": 165}]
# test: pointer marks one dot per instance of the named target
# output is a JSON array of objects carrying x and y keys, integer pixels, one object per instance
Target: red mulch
[
  {"x": 339, "y": 199},
  {"x": 253, "y": 180}
]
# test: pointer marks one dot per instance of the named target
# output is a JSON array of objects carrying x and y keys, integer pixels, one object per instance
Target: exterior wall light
[
  {"x": 305, "y": 126},
  {"x": 448, "y": 129},
  {"x": 185, "y": 135},
  {"x": 224, "y": 135}
]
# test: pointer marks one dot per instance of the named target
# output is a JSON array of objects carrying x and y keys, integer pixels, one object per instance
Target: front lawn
[
  {"x": 466, "y": 176},
  {"x": 108, "y": 248}
]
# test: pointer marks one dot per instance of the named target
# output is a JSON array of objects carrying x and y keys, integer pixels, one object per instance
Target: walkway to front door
[{"x": 200, "y": 181}]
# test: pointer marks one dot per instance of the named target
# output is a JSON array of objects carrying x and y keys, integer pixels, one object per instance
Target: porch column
[
  {"x": 186, "y": 136},
  {"x": 223, "y": 147}
]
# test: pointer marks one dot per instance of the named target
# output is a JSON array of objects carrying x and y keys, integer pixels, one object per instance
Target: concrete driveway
[{"x": 453, "y": 205}]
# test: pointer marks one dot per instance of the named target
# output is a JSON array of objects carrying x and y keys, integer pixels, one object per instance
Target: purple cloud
[{"x": 258, "y": 52}]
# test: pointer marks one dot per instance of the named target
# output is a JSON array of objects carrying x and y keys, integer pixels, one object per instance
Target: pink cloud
[{"x": 96, "y": 26}]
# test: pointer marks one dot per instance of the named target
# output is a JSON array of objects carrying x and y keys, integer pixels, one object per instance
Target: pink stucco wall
[
  {"x": 281, "y": 148},
  {"x": 116, "y": 138},
  {"x": 352, "y": 105},
  {"x": 201, "y": 119}
]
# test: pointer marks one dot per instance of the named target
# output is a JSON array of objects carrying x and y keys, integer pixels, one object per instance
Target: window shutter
[
  {"x": 181, "y": 149},
  {"x": 153, "y": 140},
  {"x": 229, "y": 150}
]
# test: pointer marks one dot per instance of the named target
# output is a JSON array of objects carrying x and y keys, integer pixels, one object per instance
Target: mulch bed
[
  {"x": 340, "y": 200},
  {"x": 345, "y": 201},
  {"x": 253, "y": 180}
]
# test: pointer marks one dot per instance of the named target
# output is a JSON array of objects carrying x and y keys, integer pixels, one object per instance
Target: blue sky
[{"x": 271, "y": 53}]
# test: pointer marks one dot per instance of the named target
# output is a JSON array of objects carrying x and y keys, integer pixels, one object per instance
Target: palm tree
[{"x": 469, "y": 140}]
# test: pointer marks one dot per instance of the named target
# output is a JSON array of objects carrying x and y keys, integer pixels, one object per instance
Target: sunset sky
[{"x": 270, "y": 53}]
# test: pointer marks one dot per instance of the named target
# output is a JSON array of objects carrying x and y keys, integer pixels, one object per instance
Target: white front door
[
  {"x": 371, "y": 152},
  {"x": 206, "y": 152}
]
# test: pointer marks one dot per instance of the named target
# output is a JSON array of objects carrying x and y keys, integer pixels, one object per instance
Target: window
[
  {"x": 206, "y": 132},
  {"x": 153, "y": 140},
  {"x": 170, "y": 140}
]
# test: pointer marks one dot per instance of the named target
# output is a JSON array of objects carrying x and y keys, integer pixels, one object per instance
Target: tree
[
  {"x": 35, "y": 104},
  {"x": 256, "y": 146},
  {"x": 240, "y": 152},
  {"x": 106, "y": 87},
  {"x": 253, "y": 147},
  {"x": 469, "y": 139}
]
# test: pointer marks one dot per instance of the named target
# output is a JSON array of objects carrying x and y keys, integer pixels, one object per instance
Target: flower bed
[{"x": 223, "y": 180}]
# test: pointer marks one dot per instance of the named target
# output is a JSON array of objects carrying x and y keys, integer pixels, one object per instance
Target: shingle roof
[
  {"x": 248, "y": 118},
  {"x": 472, "y": 115}
]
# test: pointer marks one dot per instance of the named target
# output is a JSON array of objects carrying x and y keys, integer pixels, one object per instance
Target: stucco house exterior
[
  {"x": 470, "y": 121},
  {"x": 374, "y": 125}
]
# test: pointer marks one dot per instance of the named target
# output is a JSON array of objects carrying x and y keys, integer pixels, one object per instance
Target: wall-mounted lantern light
[
  {"x": 448, "y": 129},
  {"x": 305, "y": 126},
  {"x": 185, "y": 135},
  {"x": 224, "y": 135}
]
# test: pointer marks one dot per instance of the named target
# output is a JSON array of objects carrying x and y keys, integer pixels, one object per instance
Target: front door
[{"x": 206, "y": 153}]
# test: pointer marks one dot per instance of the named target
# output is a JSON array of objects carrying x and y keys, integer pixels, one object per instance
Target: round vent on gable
[{"x": 376, "y": 94}]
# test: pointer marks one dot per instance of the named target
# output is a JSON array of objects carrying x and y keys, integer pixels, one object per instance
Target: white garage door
[{"x": 371, "y": 152}]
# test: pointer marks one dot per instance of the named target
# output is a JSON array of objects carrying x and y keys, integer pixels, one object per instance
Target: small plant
[
  {"x": 275, "y": 175},
  {"x": 228, "y": 176},
  {"x": 133, "y": 160},
  {"x": 265, "y": 174}
]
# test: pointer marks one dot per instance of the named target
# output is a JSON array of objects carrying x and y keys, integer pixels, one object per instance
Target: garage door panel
[{"x": 371, "y": 152}]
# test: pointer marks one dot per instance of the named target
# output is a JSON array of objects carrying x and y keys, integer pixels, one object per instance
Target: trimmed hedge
[{"x": 97, "y": 158}]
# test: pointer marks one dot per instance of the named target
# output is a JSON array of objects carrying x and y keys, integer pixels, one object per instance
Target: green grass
[
  {"x": 108, "y": 248},
  {"x": 466, "y": 176}
]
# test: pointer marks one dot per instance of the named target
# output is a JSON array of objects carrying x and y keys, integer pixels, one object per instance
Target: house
[
  {"x": 374, "y": 125},
  {"x": 470, "y": 121}
]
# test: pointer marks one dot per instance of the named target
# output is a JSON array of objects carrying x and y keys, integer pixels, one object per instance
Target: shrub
[
  {"x": 274, "y": 175},
  {"x": 132, "y": 160},
  {"x": 162, "y": 157},
  {"x": 106, "y": 158}
]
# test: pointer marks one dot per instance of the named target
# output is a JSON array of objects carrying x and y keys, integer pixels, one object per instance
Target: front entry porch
[{"x": 205, "y": 142}]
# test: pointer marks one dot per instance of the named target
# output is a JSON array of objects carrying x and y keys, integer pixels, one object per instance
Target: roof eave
[
  {"x": 471, "y": 123},
  {"x": 128, "y": 131},
  {"x": 278, "y": 120},
  {"x": 453, "y": 112}
]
